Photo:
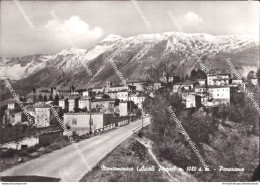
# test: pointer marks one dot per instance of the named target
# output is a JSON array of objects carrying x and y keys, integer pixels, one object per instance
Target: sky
[{"x": 85, "y": 23}]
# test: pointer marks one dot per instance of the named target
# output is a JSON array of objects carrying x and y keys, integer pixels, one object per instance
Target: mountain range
[{"x": 135, "y": 57}]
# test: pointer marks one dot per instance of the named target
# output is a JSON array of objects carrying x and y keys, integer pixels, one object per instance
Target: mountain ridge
[{"x": 136, "y": 57}]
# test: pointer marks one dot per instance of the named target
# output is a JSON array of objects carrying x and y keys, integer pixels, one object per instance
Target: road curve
[{"x": 66, "y": 164}]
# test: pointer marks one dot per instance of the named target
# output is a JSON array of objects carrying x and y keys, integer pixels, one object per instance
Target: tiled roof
[
  {"x": 103, "y": 99},
  {"x": 43, "y": 106}
]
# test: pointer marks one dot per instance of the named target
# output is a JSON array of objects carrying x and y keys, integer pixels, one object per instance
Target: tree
[
  {"x": 50, "y": 97},
  {"x": 163, "y": 70},
  {"x": 34, "y": 90},
  {"x": 187, "y": 77},
  {"x": 105, "y": 96},
  {"x": 162, "y": 121},
  {"x": 117, "y": 101},
  {"x": 199, "y": 122},
  {"x": 45, "y": 98},
  {"x": 56, "y": 100},
  {"x": 40, "y": 97},
  {"x": 258, "y": 75},
  {"x": 197, "y": 74},
  {"x": 148, "y": 87},
  {"x": 251, "y": 75}
]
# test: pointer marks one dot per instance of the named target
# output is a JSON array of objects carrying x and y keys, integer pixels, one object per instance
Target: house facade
[
  {"x": 123, "y": 108},
  {"x": 80, "y": 122},
  {"x": 63, "y": 103},
  {"x": 220, "y": 94},
  {"x": 218, "y": 79},
  {"x": 123, "y": 95},
  {"x": 44, "y": 117},
  {"x": 84, "y": 103},
  {"x": 193, "y": 101},
  {"x": 73, "y": 103}
]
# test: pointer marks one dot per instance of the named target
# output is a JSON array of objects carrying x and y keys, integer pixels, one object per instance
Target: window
[{"x": 74, "y": 122}]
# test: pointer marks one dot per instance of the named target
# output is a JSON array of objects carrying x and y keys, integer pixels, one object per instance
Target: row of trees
[{"x": 50, "y": 98}]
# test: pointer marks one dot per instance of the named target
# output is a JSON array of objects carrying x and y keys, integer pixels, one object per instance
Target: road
[{"x": 66, "y": 164}]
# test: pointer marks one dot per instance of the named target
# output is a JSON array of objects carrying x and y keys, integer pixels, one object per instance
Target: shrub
[{"x": 9, "y": 153}]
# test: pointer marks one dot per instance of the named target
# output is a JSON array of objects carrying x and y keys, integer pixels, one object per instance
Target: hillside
[{"x": 135, "y": 57}]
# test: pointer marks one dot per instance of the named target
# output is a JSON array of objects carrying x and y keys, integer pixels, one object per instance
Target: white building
[
  {"x": 157, "y": 85},
  {"x": 112, "y": 94},
  {"x": 187, "y": 85},
  {"x": 237, "y": 81},
  {"x": 200, "y": 89},
  {"x": 139, "y": 86},
  {"x": 84, "y": 103},
  {"x": 218, "y": 79},
  {"x": 98, "y": 90},
  {"x": 63, "y": 103},
  {"x": 123, "y": 95},
  {"x": 73, "y": 103},
  {"x": 186, "y": 93},
  {"x": 12, "y": 104},
  {"x": 254, "y": 81},
  {"x": 202, "y": 82},
  {"x": 44, "y": 117},
  {"x": 85, "y": 93},
  {"x": 123, "y": 108},
  {"x": 220, "y": 94},
  {"x": 193, "y": 101},
  {"x": 26, "y": 142},
  {"x": 138, "y": 99},
  {"x": 80, "y": 122},
  {"x": 105, "y": 105},
  {"x": 117, "y": 88}
]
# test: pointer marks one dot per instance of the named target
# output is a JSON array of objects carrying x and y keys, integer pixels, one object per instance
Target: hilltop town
[{"x": 90, "y": 110}]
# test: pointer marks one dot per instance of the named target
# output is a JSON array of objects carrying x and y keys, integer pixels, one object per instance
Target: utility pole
[
  {"x": 142, "y": 114},
  {"x": 90, "y": 119},
  {"x": 130, "y": 106}
]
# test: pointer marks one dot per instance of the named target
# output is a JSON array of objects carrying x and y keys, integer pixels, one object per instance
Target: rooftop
[
  {"x": 43, "y": 106},
  {"x": 189, "y": 90},
  {"x": 97, "y": 88},
  {"x": 73, "y": 97},
  {"x": 216, "y": 79},
  {"x": 85, "y": 98},
  {"x": 123, "y": 91},
  {"x": 185, "y": 83},
  {"x": 217, "y": 86},
  {"x": 104, "y": 99}
]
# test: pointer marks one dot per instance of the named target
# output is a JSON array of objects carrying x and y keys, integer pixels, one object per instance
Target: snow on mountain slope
[
  {"x": 17, "y": 68},
  {"x": 144, "y": 49}
]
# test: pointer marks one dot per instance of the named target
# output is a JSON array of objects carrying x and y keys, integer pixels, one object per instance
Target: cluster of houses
[
  {"x": 77, "y": 107},
  {"x": 97, "y": 106},
  {"x": 216, "y": 90},
  {"x": 85, "y": 110}
]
